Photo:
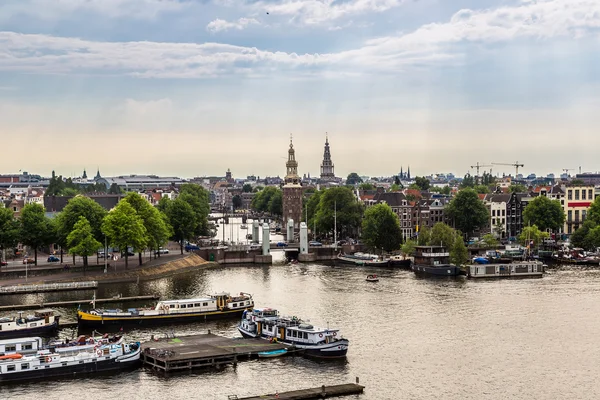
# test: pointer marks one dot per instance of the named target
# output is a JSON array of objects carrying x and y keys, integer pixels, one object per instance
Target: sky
[{"x": 193, "y": 87}]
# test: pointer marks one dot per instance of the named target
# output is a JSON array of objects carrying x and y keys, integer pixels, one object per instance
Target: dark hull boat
[
  {"x": 42, "y": 323},
  {"x": 433, "y": 261}
]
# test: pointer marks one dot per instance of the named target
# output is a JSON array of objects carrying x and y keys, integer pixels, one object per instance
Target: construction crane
[
  {"x": 479, "y": 166},
  {"x": 567, "y": 170},
  {"x": 515, "y": 164}
]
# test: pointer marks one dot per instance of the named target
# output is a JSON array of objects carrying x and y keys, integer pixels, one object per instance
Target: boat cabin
[
  {"x": 20, "y": 345},
  {"x": 39, "y": 318},
  {"x": 431, "y": 255}
]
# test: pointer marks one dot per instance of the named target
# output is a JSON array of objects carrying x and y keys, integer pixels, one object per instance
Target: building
[
  {"x": 54, "y": 204},
  {"x": 497, "y": 205},
  {"x": 589, "y": 178},
  {"x": 327, "y": 167},
  {"x": 578, "y": 200},
  {"x": 399, "y": 205},
  {"x": 141, "y": 182},
  {"x": 514, "y": 213},
  {"x": 292, "y": 191}
]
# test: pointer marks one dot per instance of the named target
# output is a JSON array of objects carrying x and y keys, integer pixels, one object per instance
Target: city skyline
[{"x": 191, "y": 88}]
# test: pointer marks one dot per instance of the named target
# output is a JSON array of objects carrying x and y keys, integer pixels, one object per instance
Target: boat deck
[
  {"x": 200, "y": 351},
  {"x": 312, "y": 393}
]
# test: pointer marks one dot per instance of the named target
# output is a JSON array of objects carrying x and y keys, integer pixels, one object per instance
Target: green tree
[
  {"x": 157, "y": 229},
  {"x": 124, "y": 228},
  {"x": 381, "y": 228},
  {"x": 395, "y": 188},
  {"x": 276, "y": 204},
  {"x": 339, "y": 201},
  {"x": 468, "y": 211},
  {"x": 424, "y": 236},
  {"x": 482, "y": 189},
  {"x": 114, "y": 189},
  {"x": 593, "y": 213},
  {"x": 366, "y": 186},
  {"x": 532, "y": 234},
  {"x": 445, "y": 190},
  {"x": 397, "y": 180},
  {"x": 199, "y": 198},
  {"x": 408, "y": 247},
  {"x": 580, "y": 238},
  {"x": 262, "y": 200},
  {"x": 81, "y": 240},
  {"x": 257, "y": 189},
  {"x": 311, "y": 209},
  {"x": 490, "y": 240},
  {"x": 247, "y": 188},
  {"x": 183, "y": 220},
  {"x": 577, "y": 182},
  {"x": 459, "y": 255},
  {"x": 35, "y": 228},
  {"x": 441, "y": 235},
  {"x": 55, "y": 186},
  {"x": 593, "y": 238},
  {"x": 69, "y": 192},
  {"x": 544, "y": 213},
  {"x": 9, "y": 230},
  {"x": 237, "y": 201},
  {"x": 79, "y": 206},
  {"x": 353, "y": 179},
  {"x": 422, "y": 182},
  {"x": 467, "y": 182},
  {"x": 517, "y": 188}
]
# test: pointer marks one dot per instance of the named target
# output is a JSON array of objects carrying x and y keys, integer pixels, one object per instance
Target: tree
[
  {"x": 35, "y": 228},
  {"x": 81, "y": 240},
  {"x": 276, "y": 204},
  {"x": 580, "y": 238},
  {"x": 593, "y": 213},
  {"x": 517, "y": 188},
  {"x": 445, "y": 190},
  {"x": 441, "y": 235},
  {"x": 9, "y": 230},
  {"x": 395, "y": 188},
  {"x": 339, "y": 201},
  {"x": 312, "y": 206},
  {"x": 237, "y": 201},
  {"x": 490, "y": 240},
  {"x": 262, "y": 200},
  {"x": 482, "y": 189},
  {"x": 593, "y": 238},
  {"x": 199, "y": 198},
  {"x": 257, "y": 189},
  {"x": 124, "y": 228},
  {"x": 469, "y": 213},
  {"x": 183, "y": 220},
  {"x": 157, "y": 229},
  {"x": 467, "y": 182},
  {"x": 577, "y": 182},
  {"x": 532, "y": 234},
  {"x": 114, "y": 189},
  {"x": 544, "y": 213},
  {"x": 353, "y": 179},
  {"x": 247, "y": 188},
  {"x": 422, "y": 182},
  {"x": 79, "y": 206},
  {"x": 424, "y": 236},
  {"x": 366, "y": 186},
  {"x": 459, "y": 255},
  {"x": 408, "y": 247},
  {"x": 397, "y": 180},
  {"x": 381, "y": 228}
]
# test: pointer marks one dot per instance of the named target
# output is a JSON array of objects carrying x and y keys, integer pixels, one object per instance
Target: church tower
[
  {"x": 292, "y": 191},
  {"x": 327, "y": 174}
]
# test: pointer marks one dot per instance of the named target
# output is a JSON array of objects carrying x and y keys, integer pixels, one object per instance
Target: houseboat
[
  {"x": 41, "y": 323},
  {"x": 31, "y": 345},
  {"x": 312, "y": 341},
  {"x": 433, "y": 261},
  {"x": 534, "y": 269},
  {"x": 21, "y": 345},
  {"x": 221, "y": 305},
  {"x": 362, "y": 259},
  {"x": 49, "y": 364},
  {"x": 400, "y": 262}
]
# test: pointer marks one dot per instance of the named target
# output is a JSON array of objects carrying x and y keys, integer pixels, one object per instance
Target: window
[
  {"x": 12, "y": 347},
  {"x": 583, "y": 195},
  {"x": 172, "y": 306},
  {"x": 577, "y": 194},
  {"x": 204, "y": 304},
  {"x": 27, "y": 346},
  {"x": 570, "y": 194},
  {"x": 493, "y": 213},
  {"x": 493, "y": 221},
  {"x": 234, "y": 304},
  {"x": 590, "y": 195},
  {"x": 190, "y": 306},
  {"x": 503, "y": 212},
  {"x": 305, "y": 335},
  {"x": 196, "y": 304},
  {"x": 289, "y": 332},
  {"x": 576, "y": 215},
  {"x": 64, "y": 364},
  {"x": 570, "y": 216},
  {"x": 182, "y": 306},
  {"x": 24, "y": 366},
  {"x": 10, "y": 368}
]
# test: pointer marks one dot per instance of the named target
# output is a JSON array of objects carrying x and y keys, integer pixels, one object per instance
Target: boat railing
[{"x": 46, "y": 287}]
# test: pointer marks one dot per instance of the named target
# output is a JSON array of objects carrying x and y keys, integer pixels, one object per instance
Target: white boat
[
  {"x": 506, "y": 270},
  {"x": 372, "y": 278},
  {"x": 362, "y": 259},
  {"x": 265, "y": 323},
  {"x": 47, "y": 363},
  {"x": 31, "y": 345},
  {"x": 42, "y": 322}
]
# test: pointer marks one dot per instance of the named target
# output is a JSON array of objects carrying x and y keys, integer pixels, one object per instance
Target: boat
[
  {"x": 31, "y": 345},
  {"x": 312, "y": 341},
  {"x": 362, "y": 259},
  {"x": 399, "y": 261},
  {"x": 221, "y": 305},
  {"x": 41, "y": 323},
  {"x": 50, "y": 364},
  {"x": 510, "y": 270},
  {"x": 433, "y": 261},
  {"x": 372, "y": 278},
  {"x": 272, "y": 353}
]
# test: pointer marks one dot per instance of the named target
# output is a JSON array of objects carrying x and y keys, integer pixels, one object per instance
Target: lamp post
[
  {"x": 105, "y": 255},
  {"x": 26, "y": 268}
]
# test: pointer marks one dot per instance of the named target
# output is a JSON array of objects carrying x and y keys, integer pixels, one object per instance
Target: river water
[{"x": 410, "y": 338}]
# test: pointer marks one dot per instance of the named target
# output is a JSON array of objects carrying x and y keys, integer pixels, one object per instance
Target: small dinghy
[
  {"x": 272, "y": 353},
  {"x": 372, "y": 278}
]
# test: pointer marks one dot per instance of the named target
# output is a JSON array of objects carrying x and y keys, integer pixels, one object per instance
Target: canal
[{"x": 410, "y": 338}]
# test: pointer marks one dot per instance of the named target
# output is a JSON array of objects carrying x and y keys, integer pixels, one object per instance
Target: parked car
[
  {"x": 255, "y": 246},
  {"x": 3, "y": 263},
  {"x": 53, "y": 259},
  {"x": 191, "y": 246},
  {"x": 282, "y": 244},
  {"x": 101, "y": 254},
  {"x": 28, "y": 260},
  {"x": 315, "y": 243},
  {"x": 162, "y": 251}
]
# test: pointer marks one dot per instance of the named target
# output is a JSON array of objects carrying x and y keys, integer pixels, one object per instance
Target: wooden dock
[
  {"x": 48, "y": 287},
  {"x": 202, "y": 351},
  {"x": 312, "y": 393},
  {"x": 76, "y": 302}
]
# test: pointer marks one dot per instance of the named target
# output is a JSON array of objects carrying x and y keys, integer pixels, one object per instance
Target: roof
[{"x": 393, "y": 199}]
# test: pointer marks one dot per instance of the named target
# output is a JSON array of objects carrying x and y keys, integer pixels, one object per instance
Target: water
[{"x": 409, "y": 338}]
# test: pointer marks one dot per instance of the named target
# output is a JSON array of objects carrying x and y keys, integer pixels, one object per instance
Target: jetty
[
  {"x": 48, "y": 287},
  {"x": 311, "y": 393},
  {"x": 202, "y": 351},
  {"x": 116, "y": 299}
]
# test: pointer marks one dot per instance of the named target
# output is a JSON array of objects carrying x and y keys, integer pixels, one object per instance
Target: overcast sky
[{"x": 193, "y": 87}]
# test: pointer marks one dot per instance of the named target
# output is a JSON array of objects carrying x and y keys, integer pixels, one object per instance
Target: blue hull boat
[{"x": 272, "y": 353}]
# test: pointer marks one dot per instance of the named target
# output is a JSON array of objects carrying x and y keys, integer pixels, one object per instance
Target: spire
[
  {"x": 327, "y": 166},
  {"x": 292, "y": 166},
  {"x": 408, "y": 173},
  {"x": 84, "y": 176},
  {"x": 401, "y": 173},
  {"x": 97, "y": 175}
]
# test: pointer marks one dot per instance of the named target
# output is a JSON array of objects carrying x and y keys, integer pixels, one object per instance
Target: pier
[
  {"x": 202, "y": 351},
  {"x": 312, "y": 393},
  {"x": 116, "y": 299},
  {"x": 48, "y": 287}
]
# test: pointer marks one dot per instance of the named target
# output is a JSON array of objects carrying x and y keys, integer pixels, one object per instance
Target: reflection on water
[{"x": 409, "y": 338}]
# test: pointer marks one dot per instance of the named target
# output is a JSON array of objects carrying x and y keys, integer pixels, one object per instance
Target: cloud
[
  {"x": 434, "y": 43},
  {"x": 219, "y": 25}
]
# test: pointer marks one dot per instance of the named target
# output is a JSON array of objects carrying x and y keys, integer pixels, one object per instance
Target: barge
[{"x": 531, "y": 269}]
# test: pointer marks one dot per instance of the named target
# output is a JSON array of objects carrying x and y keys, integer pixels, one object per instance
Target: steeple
[
  {"x": 97, "y": 175},
  {"x": 408, "y": 173},
  {"x": 327, "y": 166},
  {"x": 84, "y": 176},
  {"x": 292, "y": 166},
  {"x": 401, "y": 173}
]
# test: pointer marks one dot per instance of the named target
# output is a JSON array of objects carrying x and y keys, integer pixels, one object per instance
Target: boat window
[
  {"x": 28, "y": 346},
  {"x": 10, "y": 368},
  {"x": 289, "y": 332},
  {"x": 234, "y": 304},
  {"x": 182, "y": 306},
  {"x": 197, "y": 305},
  {"x": 64, "y": 364},
  {"x": 80, "y": 362},
  {"x": 172, "y": 306},
  {"x": 11, "y": 347},
  {"x": 24, "y": 366},
  {"x": 190, "y": 305},
  {"x": 204, "y": 304},
  {"x": 305, "y": 335}
]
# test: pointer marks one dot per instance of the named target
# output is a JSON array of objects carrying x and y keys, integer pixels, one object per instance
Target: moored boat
[
  {"x": 362, "y": 259},
  {"x": 265, "y": 323},
  {"x": 400, "y": 262},
  {"x": 433, "y": 261},
  {"x": 49, "y": 364},
  {"x": 41, "y": 323},
  {"x": 272, "y": 353},
  {"x": 533, "y": 269},
  {"x": 221, "y": 305}
]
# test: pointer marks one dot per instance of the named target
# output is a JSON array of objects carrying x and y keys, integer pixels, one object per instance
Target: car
[
  {"x": 191, "y": 246},
  {"x": 315, "y": 243},
  {"x": 282, "y": 244},
  {"x": 3, "y": 263},
  {"x": 162, "y": 251},
  {"x": 53, "y": 259},
  {"x": 129, "y": 253},
  {"x": 255, "y": 246},
  {"x": 101, "y": 254},
  {"x": 28, "y": 260}
]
